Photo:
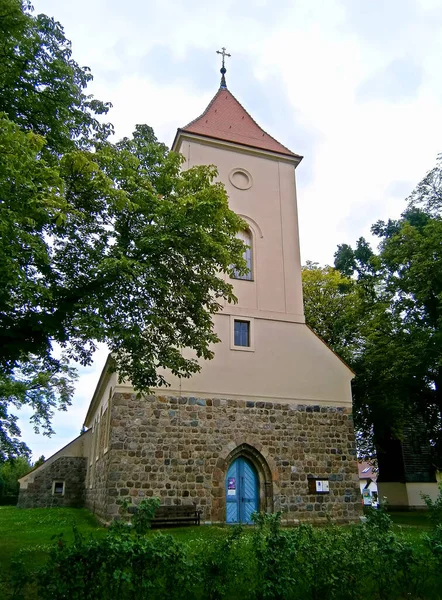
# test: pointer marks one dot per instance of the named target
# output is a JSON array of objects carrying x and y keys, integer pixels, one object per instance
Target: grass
[
  {"x": 416, "y": 519},
  {"x": 410, "y": 524},
  {"x": 30, "y": 532},
  {"x": 28, "y": 535}
]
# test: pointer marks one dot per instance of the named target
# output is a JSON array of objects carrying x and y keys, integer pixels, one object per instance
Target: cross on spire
[{"x": 223, "y": 68}]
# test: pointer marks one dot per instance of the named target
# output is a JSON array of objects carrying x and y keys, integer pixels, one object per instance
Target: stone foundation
[
  {"x": 39, "y": 492},
  {"x": 179, "y": 450}
]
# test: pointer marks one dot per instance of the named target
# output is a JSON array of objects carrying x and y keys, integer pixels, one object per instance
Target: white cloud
[{"x": 322, "y": 53}]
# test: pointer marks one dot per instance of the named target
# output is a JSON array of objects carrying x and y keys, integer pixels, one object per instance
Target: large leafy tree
[
  {"x": 333, "y": 308},
  {"x": 10, "y": 472},
  {"x": 42, "y": 89},
  {"x": 399, "y": 366},
  {"x": 99, "y": 242}
]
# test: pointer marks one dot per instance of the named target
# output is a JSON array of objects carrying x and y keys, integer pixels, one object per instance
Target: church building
[{"x": 267, "y": 424}]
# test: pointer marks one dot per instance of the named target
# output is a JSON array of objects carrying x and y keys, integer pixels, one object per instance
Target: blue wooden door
[{"x": 242, "y": 491}]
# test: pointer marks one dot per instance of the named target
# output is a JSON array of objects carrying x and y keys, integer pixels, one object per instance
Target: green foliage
[
  {"x": 222, "y": 567},
  {"x": 100, "y": 242},
  {"x": 140, "y": 516},
  {"x": 398, "y": 366},
  {"x": 119, "y": 566},
  {"x": 144, "y": 514},
  {"x": 42, "y": 89},
  {"x": 366, "y": 561},
  {"x": 10, "y": 472},
  {"x": 428, "y": 194},
  {"x": 378, "y": 518},
  {"x": 384, "y": 317},
  {"x": 39, "y": 461},
  {"x": 434, "y": 543},
  {"x": 333, "y": 307},
  {"x": 434, "y": 507}
]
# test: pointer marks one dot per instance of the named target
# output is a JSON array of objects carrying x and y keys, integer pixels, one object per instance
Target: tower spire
[{"x": 223, "y": 69}]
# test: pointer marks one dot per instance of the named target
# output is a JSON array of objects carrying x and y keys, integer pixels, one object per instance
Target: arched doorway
[{"x": 242, "y": 491}]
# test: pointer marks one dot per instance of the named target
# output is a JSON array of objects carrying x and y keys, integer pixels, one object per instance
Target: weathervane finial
[{"x": 223, "y": 68}]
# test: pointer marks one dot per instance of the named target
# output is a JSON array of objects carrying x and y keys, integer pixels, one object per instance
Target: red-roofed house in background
[
  {"x": 266, "y": 425},
  {"x": 367, "y": 482}
]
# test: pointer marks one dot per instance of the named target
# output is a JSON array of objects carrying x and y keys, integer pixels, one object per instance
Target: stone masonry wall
[
  {"x": 179, "y": 449},
  {"x": 97, "y": 472},
  {"x": 71, "y": 470},
  {"x": 98, "y": 495}
]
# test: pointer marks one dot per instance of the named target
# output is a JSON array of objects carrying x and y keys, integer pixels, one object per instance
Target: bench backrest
[{"x": 175, "y": 511}]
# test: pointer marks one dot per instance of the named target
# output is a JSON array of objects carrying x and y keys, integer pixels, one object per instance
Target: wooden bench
[{"x": 176, "y": 516}]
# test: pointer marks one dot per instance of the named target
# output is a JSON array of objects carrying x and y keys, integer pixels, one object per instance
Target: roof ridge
[{"x": 206, "y": 109}]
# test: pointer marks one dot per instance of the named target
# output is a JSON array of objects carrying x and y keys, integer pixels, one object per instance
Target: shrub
[
  {"x": 434, "y": 508},
  {"x": 366, "y": 561},
  {"x": 222, "y": 564},
  {"x": 118, "y": 567},
  {"x": 274, "y": 553}
]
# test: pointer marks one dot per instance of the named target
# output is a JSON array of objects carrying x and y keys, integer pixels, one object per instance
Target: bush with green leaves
[
  {"x": 139, "y": 516},
  {"x": 434, "y": 507},
  {"x": 365, "y": 561},
  {"x": 120, "y": 566}
]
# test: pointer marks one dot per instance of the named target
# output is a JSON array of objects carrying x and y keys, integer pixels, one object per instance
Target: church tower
[
  {"x": 266, "y": 425},
  {"x": 267, "y": 353}
]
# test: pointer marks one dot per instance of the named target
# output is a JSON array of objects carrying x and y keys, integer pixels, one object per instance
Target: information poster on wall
[{"x": 231, "y": 486}]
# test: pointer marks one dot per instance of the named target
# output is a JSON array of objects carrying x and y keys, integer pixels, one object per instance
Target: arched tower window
[{"x": 246, "y": 237}]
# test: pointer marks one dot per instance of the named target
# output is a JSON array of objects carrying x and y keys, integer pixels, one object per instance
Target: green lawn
[
  {"x": 28, "y": 532},
  {"x": 413, "y": 519}
]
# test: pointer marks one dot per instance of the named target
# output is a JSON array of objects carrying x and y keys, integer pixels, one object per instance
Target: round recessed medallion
[{"x": 241, "y": 179}]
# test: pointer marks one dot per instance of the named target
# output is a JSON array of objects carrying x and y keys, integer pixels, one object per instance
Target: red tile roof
[{"x": 226, "y": 119}]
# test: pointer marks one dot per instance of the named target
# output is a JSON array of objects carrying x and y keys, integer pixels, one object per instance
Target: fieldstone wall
[
  {"x": 71, "y": 470},
  {"x": 98, "y": 494},
  {"x": 179, "y": 449}
]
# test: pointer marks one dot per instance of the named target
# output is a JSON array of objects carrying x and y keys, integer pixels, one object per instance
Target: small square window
[
  {"x": 58, "y": 488},
  {"x": 242, "y": 333}
]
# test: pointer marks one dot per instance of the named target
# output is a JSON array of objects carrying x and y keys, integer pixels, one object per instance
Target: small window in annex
[
  {"x": 246, "y": 237},
  {"x": 241, "y": 332},
  {"x": 58, "y": 488}
]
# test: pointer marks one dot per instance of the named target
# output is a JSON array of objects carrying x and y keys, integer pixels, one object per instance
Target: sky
[{"x": 352, "y": 85}]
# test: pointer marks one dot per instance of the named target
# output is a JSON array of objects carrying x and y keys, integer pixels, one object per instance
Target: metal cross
[
  {"x": 223, "y": 68},
  {"x": 223, "y": 54}
]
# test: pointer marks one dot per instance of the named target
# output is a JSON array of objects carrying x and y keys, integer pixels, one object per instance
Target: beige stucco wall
[
  {"x": 406, "y": 494},
  {"x": 289, "y": 363},
  {"x": 270, "y": 209},
  {"x": 414, "y": 491},
  {"x": 104, "y": 390},
  {"x": 286, "y": 361},
  {"x": 394, "y": 492}
]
